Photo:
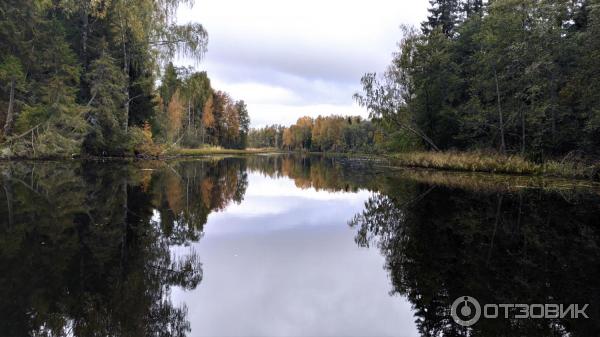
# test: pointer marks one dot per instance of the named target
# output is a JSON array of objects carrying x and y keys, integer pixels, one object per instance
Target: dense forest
[
  {"x": 513, "y": 76},
  {"x": 95, "y": 77},
  {"x": 81, "y": 77}
]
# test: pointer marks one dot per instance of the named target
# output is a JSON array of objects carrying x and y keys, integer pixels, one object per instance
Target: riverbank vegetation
[
  {"x": 494, "y": 163},
  {"x": 353, "y": 135},
  {"x": 505, "y": 86},
  {"x": 80, "y": 78},
  {"x": 332, "y": 134},
  {"x": 512, "y": 76}
]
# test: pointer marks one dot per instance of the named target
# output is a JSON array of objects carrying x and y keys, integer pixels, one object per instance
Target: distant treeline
[
  {"x": 517, "y": 76},
  {"x": 325, "y": 134},
  {"x": 80, "y": 77}
]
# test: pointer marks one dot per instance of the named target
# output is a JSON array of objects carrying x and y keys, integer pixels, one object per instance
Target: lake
[{"x": 284, "y": 245}]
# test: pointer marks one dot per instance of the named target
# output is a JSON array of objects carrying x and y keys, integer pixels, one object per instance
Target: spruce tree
[
  {"x": 444, "y": 15},
  {"x": 106, "y": 114}
]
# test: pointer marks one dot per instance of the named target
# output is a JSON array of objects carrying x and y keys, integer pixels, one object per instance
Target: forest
[
  {"x": 508, "y": 76},
  {"x": 95, "y": 77}
]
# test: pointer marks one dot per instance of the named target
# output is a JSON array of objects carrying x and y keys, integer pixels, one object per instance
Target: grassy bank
[
  {"x": 478, "y": 181},
  {"x": 495, "y": 163}
]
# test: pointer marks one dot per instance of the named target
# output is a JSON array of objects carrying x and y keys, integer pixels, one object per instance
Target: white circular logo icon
[{"x": 465, "y": 311}]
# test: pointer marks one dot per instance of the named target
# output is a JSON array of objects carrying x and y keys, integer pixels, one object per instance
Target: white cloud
[
  {"x": 259, "y": 93},
  {"x": 266, "y": 114},
  {"x": 286, "y": 58}
]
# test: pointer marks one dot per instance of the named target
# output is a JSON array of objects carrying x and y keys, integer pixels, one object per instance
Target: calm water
[{"x": 287, "y": 246}]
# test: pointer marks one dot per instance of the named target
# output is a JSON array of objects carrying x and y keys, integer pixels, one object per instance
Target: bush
[{"x": 141, "y": 142}]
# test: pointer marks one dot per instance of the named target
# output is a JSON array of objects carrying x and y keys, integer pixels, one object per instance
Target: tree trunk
[
  {"x": 193, "y": 120},
  {"x": 420, "y": 134},
  {"x": 189, "y": 114},
  {"x": 124, "y": 235},
  {"x": 498, "y": 213},
  {"x": 126, "y": 73},
  {"x": 553, "y": 99},
  {"x": 127, "y": 100},
  {"x": 202, "y": 131},
  {"x": 8, "y": 124},
  {"x": 84, "y": 31},
  {"x": 522, "y": 132},
  {"x": 7, "y": 185},
  {"x": 500, "y": 116}
]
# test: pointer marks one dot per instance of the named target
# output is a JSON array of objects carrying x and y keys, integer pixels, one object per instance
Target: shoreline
[{"x": 435, "y": 161}]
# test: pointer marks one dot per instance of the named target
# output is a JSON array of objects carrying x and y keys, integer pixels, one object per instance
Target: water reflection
[
  {"x": 82, "y": 252},
  {"x": 499, "y": 246},
  {"x": 90, "y": 248}
]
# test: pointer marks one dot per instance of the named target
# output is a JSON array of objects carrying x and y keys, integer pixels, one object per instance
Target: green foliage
[
  {"x": 514, "y": 76},
  {"x": 185, "y": 40},
  {"x": 11, "y": 73},
  {"x": 401, "y": 141},
  {"x": 267, "y": 137},
  {"x": 12, "y": 70},
  {"x": 443, "y": 16},
  {"x": 141, "y": 142},
  {"x": 51, "y": 123},
  {"x": 74, "y": 70},
  {"x": 244, "y": 123},
  {"x": 106, "y": 114}
]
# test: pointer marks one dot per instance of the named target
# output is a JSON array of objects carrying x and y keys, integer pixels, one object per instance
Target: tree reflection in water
[
  {"x": 525, "y": 246},
  {"x": 499, "y": 239},
  {"x": 85, "y": 248}
]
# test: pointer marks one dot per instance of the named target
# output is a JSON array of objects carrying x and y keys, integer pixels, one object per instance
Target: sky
[{"x": 287, "y": 58}]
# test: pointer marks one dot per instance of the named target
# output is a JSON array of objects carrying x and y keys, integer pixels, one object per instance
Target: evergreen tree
[
  {"x": 515, "y": 76},
  {"x": 11, "y": 74},
  {"x": 52, "y": 118},
  {"x": 106, "y": 114},
  {"x": 472, "y": 7},
  {"x": 444, "y": 15},
  {"x": 244, "y": 123}
]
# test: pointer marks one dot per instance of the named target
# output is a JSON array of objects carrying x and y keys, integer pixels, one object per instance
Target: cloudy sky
[{"x": 290, "y": 58}]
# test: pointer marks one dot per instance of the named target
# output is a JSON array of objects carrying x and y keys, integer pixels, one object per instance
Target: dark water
[{"x": 287, "y": 246}]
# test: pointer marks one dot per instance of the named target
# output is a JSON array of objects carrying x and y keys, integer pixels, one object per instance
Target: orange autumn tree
[
  {"x": 175, "y": 112},
  {"x": 232, "y": 125},
  {"x": 288, "y": 139},
  {"x": 208, "y": 119}
]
